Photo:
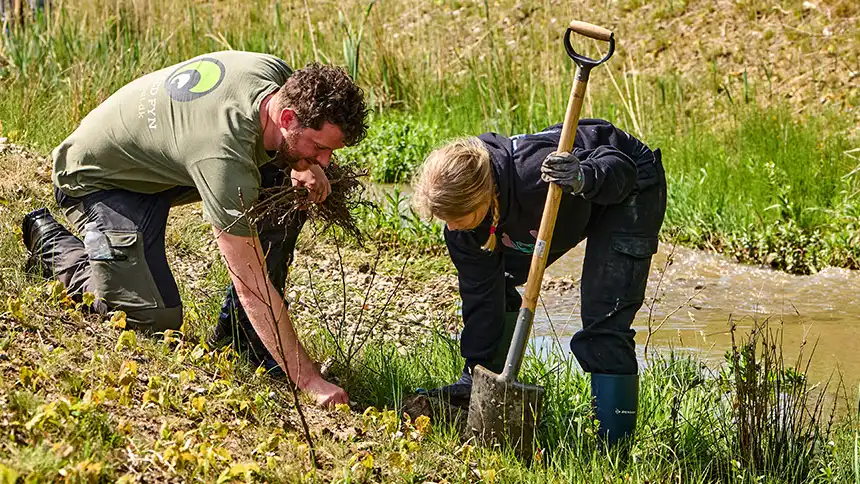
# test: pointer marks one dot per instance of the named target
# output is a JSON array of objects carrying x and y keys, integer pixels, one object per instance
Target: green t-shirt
[{"x": 195, "y": 124}]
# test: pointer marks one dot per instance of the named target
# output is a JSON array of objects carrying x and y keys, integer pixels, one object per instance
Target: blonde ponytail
[{"x": 455, "y": 181}]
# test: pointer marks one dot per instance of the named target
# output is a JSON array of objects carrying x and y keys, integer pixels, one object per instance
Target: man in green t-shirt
[{"x": 217, "y": 129}]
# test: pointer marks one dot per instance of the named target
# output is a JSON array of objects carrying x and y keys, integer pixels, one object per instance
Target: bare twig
[
  {"x": 384, "y": 306},
  {"x": 322, "y": 314},
  {"x": 659, "y": 326},
  {"x": 363, "y": 305},
  {"x": 343, "y": 292},
  {"x": 263, "y": 294},
  {"x": 291, "y": 383},
  {"x": 670, "y": 259}
]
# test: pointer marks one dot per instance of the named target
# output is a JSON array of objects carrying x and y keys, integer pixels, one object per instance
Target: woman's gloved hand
[{"x": 563, "y": 169}]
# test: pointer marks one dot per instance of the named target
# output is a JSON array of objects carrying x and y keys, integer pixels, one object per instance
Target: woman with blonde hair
[{"x": 490, "y": 192}]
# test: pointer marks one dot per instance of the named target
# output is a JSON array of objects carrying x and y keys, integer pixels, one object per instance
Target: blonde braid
[{"x": 490, "y": 244}]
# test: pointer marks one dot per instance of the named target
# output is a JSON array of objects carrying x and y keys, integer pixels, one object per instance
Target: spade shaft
[{"x": 502, "y": 410}]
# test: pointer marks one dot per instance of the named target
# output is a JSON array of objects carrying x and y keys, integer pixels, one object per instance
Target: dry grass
[{"x": 507, "y": 53}]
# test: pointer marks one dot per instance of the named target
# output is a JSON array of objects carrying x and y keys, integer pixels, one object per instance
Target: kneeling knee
[{"x": 155, "y": 320}]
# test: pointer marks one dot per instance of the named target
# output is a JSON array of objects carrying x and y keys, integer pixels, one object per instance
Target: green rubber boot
[{"x": 616, "y": 402}]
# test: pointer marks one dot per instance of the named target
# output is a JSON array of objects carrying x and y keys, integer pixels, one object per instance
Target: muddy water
[{"x": 700, "y": 292}]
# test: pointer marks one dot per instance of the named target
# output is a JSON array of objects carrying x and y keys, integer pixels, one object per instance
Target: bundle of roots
[{"x": 285, "y": 201}]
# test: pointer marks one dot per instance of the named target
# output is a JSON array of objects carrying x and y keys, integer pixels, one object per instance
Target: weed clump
[{"x": 780, "y": 425}]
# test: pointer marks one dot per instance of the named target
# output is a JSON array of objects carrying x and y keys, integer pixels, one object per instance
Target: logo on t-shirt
[{"x": 194, "y": 79}]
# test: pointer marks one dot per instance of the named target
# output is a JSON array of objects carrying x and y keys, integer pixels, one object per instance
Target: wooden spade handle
[
  {"x": 526, "y": 315},
  {"x": 553, "y": 198},
  {"x": 590, "y": 30}
]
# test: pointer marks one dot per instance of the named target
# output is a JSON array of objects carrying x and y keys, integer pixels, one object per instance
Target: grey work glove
[{"x": 563, "y": 169}]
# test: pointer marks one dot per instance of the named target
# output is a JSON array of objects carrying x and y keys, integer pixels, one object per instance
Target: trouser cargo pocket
[
  {"x": 632, "y": 265},
  {"x": 620, "y": 272},
  {"x": 124, "y": 281}
]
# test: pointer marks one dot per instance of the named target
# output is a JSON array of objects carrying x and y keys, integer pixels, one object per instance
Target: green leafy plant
[{"x": 394, "y": 147}]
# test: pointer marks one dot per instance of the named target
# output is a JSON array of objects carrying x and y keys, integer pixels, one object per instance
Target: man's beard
[{"x": 285, "y": 156}]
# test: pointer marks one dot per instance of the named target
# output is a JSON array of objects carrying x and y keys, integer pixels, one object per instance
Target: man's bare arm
[{"x": 268, "y": 313}]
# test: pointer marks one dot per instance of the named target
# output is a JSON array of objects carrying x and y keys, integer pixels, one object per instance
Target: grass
[
  {"x": 771, "y": 188},
  {"x": 83, "y": 400},
  {"x": 186, "y": 412}
]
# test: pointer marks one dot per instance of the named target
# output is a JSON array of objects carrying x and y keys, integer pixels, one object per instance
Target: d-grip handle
[
  {"x": 593, "y": 32},
  {"x": 590, "y": 30}
]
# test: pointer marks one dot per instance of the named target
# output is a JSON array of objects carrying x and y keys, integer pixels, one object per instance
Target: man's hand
[
  {"x": 315, "y": 181},
  {"x": 563, "y": 169},
  {"x": 325, "y": 394}
]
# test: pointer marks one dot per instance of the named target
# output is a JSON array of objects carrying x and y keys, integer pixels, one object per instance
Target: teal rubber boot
[{"x": 616, "y": 402}]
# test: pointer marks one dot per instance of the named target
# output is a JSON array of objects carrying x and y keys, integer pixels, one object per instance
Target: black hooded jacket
[{"x": 614, "y": 164}]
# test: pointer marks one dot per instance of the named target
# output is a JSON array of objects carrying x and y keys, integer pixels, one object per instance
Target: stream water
[{"x": 700, "y": 292}]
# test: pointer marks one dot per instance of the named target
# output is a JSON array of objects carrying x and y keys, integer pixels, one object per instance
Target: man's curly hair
[{"x": 319, "y": 93}]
